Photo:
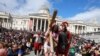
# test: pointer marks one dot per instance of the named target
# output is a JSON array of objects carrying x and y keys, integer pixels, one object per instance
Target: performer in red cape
[
  {"x": 64, "y": 40},
  {"x": 37, "y": 43}
]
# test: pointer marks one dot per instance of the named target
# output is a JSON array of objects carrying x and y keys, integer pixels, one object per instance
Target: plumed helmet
[{"x": 64, "y": 23}]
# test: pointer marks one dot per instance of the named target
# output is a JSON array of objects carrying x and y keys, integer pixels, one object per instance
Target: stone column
[
  {"x": 44, "y": 25},
  {"x": 86, "y": 29},
  {"x": 41, "y": 25},
  {"x": 74, "y": 29},
  {"x": 33, "y": 25},
  {"x": 82, "y": 30},
  {"x": 4, "y": 22},
  {"x": 77, "y": 29},
  {"x": 37, "y": 25},
  {"x": 7, "y": 23}
]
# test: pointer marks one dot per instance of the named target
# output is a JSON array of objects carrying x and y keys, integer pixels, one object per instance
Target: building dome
[{"x": 44, "y": 9}]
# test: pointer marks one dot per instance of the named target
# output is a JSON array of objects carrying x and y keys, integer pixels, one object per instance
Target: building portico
[{"x": 40, "y": 20}]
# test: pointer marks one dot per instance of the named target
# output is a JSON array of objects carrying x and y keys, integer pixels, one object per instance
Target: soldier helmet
[{"x": 64, "y": 24}]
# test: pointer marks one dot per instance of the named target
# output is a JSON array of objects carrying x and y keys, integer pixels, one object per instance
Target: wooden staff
[{"x": 50, "y": 32}]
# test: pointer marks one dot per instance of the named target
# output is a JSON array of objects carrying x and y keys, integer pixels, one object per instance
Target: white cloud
[
  {"x": 87, "y": 15},
  {"x": 90, "y": 2},
  {"x": 7, "y": 5},
  {"x": 33, "y": 5},
  {"x": 15, "y": 7}
]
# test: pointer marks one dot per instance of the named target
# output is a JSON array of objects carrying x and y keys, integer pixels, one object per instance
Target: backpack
[{"x": 63, "y": 41}]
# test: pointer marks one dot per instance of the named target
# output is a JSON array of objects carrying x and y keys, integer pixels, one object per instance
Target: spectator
[
  {"x": 12, "y": 51},
  {"x": 3, "y": 51},
  {"x": 83, "y": 51},
  {"x": 72, "y": 50}
]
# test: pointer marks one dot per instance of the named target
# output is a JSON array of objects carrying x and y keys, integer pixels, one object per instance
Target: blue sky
[{"x": 67, "y": 9}]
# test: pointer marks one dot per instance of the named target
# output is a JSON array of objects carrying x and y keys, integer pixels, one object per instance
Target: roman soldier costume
[{"x": 64, "y": 39}]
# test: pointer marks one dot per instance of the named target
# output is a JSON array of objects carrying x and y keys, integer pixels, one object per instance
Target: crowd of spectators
[
  {"x": 20, "y": 43},
  {"x": 83, "y": 47},
  {"x": 16, "y": 43}
]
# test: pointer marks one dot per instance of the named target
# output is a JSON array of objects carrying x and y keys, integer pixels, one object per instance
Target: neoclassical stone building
[
  {"x": 5, "y": 20},
  {"x": 39, "y": 21},
  {"x": 80, "y": 27}
]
